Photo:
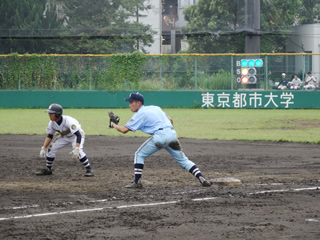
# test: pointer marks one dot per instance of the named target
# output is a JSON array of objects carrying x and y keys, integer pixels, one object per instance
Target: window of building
[{"x": 186, "y": 3}]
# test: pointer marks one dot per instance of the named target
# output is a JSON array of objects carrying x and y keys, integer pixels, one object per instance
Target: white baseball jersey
[{"x": 67, "y": 128}]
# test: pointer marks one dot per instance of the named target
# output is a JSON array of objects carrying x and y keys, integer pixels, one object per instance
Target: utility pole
[
  {"x": 173, "y": 37},
  {"x": 252, "y": 35},
  {"x": 252, "y": 31},
  {"x": 137, "y": 15}
]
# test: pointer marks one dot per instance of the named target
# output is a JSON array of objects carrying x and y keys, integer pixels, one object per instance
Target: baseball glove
[{"x": 113, "y": 119}]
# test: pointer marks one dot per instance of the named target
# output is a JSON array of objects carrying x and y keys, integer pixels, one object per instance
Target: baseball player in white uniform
[
  {"x": 153, "y": 121},
  {"x": 311, "y": 82},
  {"x": 70, "y": 132}
]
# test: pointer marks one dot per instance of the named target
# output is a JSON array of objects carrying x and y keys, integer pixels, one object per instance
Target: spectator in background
[
  {"x": 311, "y": 82},
  {"x": 295, "y": 83},
  {"x": 283, "y": 84}
]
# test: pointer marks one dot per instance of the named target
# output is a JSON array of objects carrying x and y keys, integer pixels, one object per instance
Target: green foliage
[
  {"x": 28, "y": 73},
  {"x": 134, "y": 71},
  {"x": 177, "y": 72},
  {"x": 117, "y": 72},
  {"x": 102, "y": 26},
  {"x": 207, "y": 20},
  {"x": 216, "y": 26},
  {"x": 24, "y": 27},
  {"x": 309, "y": 12},
  {"x": 216, "y": 81},
  {"x": 73, "y": 26},
  {"x": 126, "y": 70}
]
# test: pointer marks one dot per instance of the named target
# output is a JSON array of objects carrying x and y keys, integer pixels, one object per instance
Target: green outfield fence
[{"x": 175, "y": 80}]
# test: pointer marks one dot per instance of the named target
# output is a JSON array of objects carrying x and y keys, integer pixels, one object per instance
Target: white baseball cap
[{"x": 283, "y": 74}]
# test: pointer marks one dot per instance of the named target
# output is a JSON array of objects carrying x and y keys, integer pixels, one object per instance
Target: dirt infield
[{"x": 278, "y": 198}]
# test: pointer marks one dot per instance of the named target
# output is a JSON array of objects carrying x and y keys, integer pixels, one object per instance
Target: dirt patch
[
  {"x": 278, "y": 197},
  {"x": 299, "y": 124}
]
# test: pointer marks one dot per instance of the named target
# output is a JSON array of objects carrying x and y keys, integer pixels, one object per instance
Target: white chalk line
[
  {"x": 90, "y": 201},
  {"x": 22, "y": 207},
  {"x": 286, "y": 190},
  {"x": 88, "y": 210},
  {"x": 312, "y": 220},
  {"x": 102, "y": 208},
  {"x": 146, "y": 205}
]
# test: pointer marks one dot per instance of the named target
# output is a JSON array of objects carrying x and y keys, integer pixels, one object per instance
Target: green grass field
[{"x": 224, "y": 124}]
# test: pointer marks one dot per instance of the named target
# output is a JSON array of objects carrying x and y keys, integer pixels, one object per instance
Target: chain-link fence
[{"x": 151, "y": 72}]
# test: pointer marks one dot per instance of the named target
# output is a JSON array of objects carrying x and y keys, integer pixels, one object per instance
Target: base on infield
[{"x": 229, "y": 181}]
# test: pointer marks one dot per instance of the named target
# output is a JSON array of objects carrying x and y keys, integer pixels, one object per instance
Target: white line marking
[
  {"x": 270, "y": 191},
  {"x": 88, "y": 210},
  {"x": 203, "y": 199},
  {"x": 286, "y": 190},
  {"x": 91, "y": 201},
  {"x": 272, "y": 184},
  {"x": 147, "y": 205},
  {"x": 114, "y": 198},
  {"x": 302, "y": 189},
  {"x": 21, "y": 207},
  {"x": 312, "y": 220},
  {"x": 52, "y": 213}
]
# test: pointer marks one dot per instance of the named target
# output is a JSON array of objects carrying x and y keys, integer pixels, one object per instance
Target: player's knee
[{"x": 139, "y": 158}]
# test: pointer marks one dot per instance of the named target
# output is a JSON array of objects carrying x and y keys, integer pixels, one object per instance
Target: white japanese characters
[{"x": 245, "y": 100}]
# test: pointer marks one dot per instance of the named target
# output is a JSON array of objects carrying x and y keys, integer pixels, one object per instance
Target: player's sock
[
  {"x": 196, "y": 172},
  {"x": 85, "y": 162},
  {"x": 49, "y": 162},
  {"x": 138, "y": 168}
]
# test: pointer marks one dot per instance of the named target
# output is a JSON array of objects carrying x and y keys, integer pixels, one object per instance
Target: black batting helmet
[{"x": 56, "y": 109}]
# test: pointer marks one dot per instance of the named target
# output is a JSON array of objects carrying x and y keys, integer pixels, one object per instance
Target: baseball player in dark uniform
[
  {"x": 70, "y": 132},
  {"x": 153, "y": 121}
]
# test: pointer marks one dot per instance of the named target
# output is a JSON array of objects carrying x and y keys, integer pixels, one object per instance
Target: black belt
[{"x": 164, "y": 128}]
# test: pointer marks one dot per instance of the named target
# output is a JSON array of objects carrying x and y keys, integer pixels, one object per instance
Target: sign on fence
[
  {"x": 223, "y": 99},
  {"x": 248, "y": 100}
]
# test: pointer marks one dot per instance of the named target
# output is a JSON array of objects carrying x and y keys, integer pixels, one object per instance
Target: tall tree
[
  {"x": 219, "y": 25},
  {"x": 105, "y": 26},
  {"x": 72, "y": 26},
  {"x": 210, "y": 24},
  {"x": 24, "y": 28},
  {"x": 309, "y": 12}
]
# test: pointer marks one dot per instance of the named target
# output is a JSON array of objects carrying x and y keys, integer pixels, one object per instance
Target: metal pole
[
  {"x": 137, "y": 15},
  {"x": 90, "y": 74},
  {"x": 56, "y": 77},
  {"x": 266, "y": 73},
  {"x": 231, "y": 71},
  {"x": 160, "y": 73},
  {"x": 90, "y": 78},
  {"x": 252, "y": 44},
  {"x": 303, "y": 67},
  {"x": 19, "y": 84},
  {"x": 173, "y": 40},
  {"x": 195, "y": 73}
]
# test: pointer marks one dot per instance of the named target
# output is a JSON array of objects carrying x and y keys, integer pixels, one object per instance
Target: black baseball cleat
[
  {"x": 135, "y": 185},
  {"x": 89, "y": 173},
  {"x": 44, "y": 171},
  {"x": 205, "y": 182}
]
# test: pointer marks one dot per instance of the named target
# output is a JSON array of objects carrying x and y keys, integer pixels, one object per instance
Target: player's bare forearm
[
  {"x": 121, "y": 129},
  {"x": 46, "y": 142},
  {"x": 170, "y": 119}
]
